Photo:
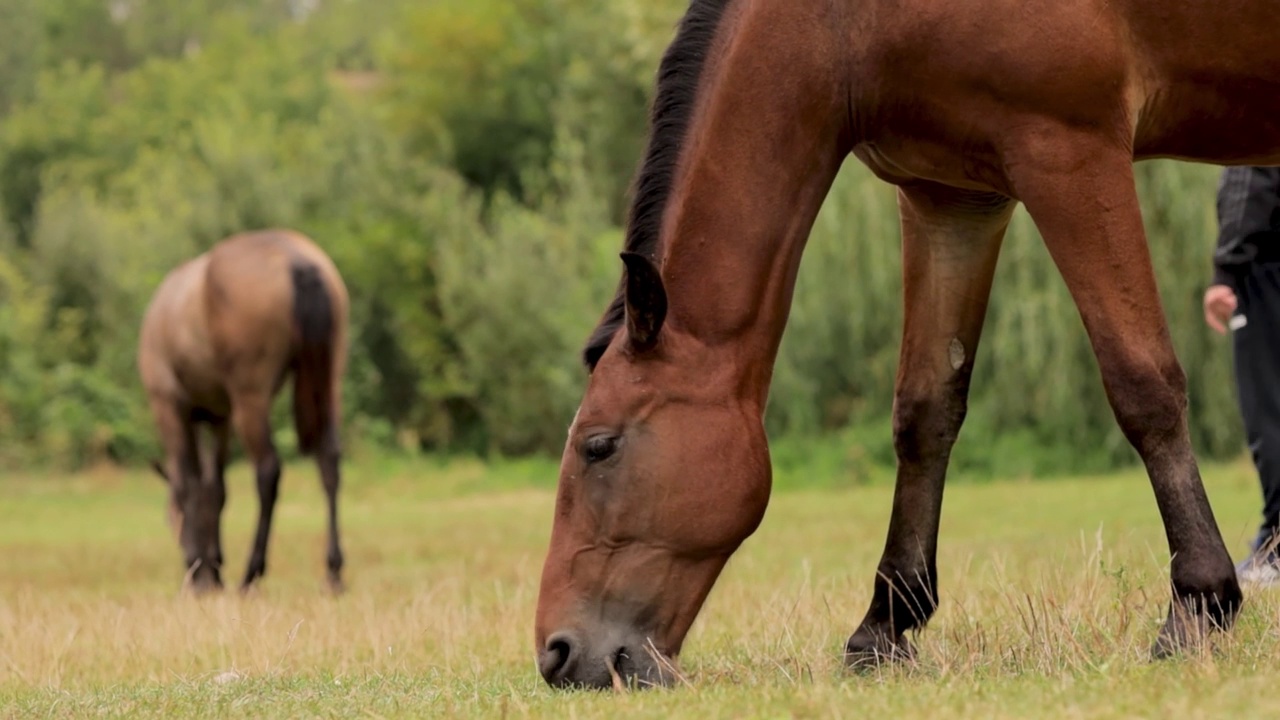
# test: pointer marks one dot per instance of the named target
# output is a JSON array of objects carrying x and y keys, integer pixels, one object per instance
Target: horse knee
[{"x": 926, "y": 424}]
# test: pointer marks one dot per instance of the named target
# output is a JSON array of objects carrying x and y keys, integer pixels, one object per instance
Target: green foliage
[
  {"x": 467, "y": 163},
  {"x": 516, "y": 303},
  {"x": 488, "y": 86},
  {"x": 490, "y": 120},
  {"x": 82, "y": 32},
  {"x": 22, "y": 45}
]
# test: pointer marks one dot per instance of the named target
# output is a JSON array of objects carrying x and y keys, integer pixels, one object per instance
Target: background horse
[
  {"x": 968, "y": 107},
  {"x": 219, "y": 338}
]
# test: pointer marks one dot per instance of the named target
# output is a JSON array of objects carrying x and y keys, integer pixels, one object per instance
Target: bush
[{"x": 466, "y": 163}]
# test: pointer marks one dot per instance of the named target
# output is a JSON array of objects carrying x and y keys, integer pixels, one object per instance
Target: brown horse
[
  {"x": 968, "y": 107},
  {"x": 220, "y": 336}
]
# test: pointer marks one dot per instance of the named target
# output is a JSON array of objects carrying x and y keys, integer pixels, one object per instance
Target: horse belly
[
  {"x": 1209, "y": 77},
  {"x": 205, "y": 391},
  {"x": 1220, "y": 123}
]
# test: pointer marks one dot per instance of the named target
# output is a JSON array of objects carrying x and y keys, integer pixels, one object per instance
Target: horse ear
[{"x": 646, "y": 301}]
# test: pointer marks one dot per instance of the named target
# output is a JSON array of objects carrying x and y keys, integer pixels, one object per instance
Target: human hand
[{"x": 1219, "y": 304}]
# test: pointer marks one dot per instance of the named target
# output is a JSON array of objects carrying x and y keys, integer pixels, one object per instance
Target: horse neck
[{"x": 767, "y": 137}]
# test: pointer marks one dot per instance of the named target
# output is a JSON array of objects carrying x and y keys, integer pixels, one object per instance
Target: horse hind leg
[
  {"x": 251, "y": 418},
  {"x": 328, "y": 459},
  {"x": 950, "y": 243},
  {"x": 1080, "y": 192}
]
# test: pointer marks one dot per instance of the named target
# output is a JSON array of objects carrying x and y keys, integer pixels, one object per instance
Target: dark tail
[{"x": 313, "y": 358}]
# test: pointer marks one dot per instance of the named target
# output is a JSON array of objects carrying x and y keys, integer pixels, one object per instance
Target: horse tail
[{"x": 313, "y": 404}]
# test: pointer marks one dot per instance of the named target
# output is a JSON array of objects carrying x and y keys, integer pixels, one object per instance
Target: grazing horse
[
  {"x": 967, "y": 107},
  {"x": 220, "y": 336}
]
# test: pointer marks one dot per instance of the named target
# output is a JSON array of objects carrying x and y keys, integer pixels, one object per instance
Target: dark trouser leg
[{"x": 1256, "y": 347}]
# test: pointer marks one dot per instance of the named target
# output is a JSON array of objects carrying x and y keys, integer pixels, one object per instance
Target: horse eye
[{"x": 599, "y": 447}]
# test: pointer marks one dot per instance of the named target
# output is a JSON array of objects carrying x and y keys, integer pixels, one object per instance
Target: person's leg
[{"x": 1256, "y": 345}]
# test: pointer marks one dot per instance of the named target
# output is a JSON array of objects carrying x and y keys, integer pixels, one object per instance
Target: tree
[{"x": 22, "y": 45}]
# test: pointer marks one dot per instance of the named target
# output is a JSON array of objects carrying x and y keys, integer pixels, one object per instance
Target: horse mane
[{"x": 677, "y": 85}]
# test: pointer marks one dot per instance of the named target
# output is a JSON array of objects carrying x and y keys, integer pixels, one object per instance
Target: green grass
[{"x": 1051, "y": 593}]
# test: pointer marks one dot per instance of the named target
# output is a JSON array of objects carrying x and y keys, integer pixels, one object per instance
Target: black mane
[{"x": 678, "y": 76}]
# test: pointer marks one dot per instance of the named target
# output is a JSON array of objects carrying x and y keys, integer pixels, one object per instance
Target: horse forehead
[{"x": 620, "y": 394}]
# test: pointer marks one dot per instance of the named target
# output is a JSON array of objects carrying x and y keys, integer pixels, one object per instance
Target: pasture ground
[{"x": 1051, "y": 593}]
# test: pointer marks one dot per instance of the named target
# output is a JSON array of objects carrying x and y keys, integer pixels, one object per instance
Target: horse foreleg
[
  {"x": 251, "y": 417},
  {"x": 1080, "y": 191},
  {"x": 215, "y": 491},
  {"x": 950, "y": 243},
  {"x": 189, "y": 500}
]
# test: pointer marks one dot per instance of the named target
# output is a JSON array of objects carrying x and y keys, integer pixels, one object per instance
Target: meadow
[
  {"x": 1051, "y": 593},
  {"x": 466, "y": 163}
]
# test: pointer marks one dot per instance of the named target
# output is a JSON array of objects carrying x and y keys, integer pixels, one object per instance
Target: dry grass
[{"x": 1051, "y": 593}]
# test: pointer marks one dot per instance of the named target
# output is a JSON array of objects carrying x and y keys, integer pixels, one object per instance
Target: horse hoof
[
  {"x": 203, "y": 586},
  {"x": 336, "y": 586},
  {"x": 1196, "y": 616},
  {"x": 1163, "y": 649},
  {"x": 1183, "y": 633},
  {"x": 866, "y": 651}
]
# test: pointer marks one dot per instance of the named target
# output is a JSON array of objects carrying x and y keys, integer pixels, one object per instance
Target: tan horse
[
  {"x": 968, "y": 107},
  {"x": 222, "y": 333}
]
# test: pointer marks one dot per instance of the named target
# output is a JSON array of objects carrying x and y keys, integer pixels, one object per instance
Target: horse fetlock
[
  {"x": 257, "y": 568},
  {"x": 903, "y": 599},
  {"x": 1218, "y": 600},
  {"x": 202, "y": 576},
  {"x": 334, "y": 563}
]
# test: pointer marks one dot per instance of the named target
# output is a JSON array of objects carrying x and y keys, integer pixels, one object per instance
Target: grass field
[{"x": 1051, "y": 593}]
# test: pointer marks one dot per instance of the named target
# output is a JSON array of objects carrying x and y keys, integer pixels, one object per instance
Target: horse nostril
[
  {"x": 617, "y": 671},
  {"x": 555, "y": 660}
]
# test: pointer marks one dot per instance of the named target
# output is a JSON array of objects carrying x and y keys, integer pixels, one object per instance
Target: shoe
[
  {"x": 1262, "y": 567},
  {"x": 1259, "y": 570}
]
